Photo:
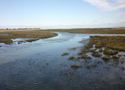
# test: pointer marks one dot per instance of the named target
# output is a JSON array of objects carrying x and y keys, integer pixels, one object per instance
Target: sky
[{"x": 62, "y": 13}]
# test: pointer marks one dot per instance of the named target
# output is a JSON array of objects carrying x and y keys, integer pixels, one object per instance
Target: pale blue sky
[{"x": 62, "y": 13}]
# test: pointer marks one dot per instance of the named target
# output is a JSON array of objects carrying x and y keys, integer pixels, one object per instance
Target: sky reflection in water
[{"x": 40, "y": 65}]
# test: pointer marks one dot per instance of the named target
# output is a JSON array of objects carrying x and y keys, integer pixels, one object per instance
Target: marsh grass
[
  {"x": 85, "y": 57},
  {"x": 64, "y": 54},
  {"x": 96, "y": 54},
  {"x": 90, "y": 66},
  {"x": 111, "y": 44},
  {"x": 71, "y": 58},
  {"x": 31, "y": 40},
  {"x": 23, "y": 34},
  {"x": 114, "y": 56},
  {"x": 105, "y": 58},
  {"x": 75, "y": 66},
  {"x": 104, "y": 45},
  {"x": 91, "y": 31}
]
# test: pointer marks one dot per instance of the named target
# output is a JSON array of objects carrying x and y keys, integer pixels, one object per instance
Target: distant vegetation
[
  {"x": 75, "y": 30},
  {"x": 19, "y": 28},
  {"x": 92, "y": 31}
]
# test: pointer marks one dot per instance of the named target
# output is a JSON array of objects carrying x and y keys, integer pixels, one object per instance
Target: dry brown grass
[
  {"x": 92, "y": 31},
  {"x": 71, "y": 58},
  {"x": 64, "y": 54},
  {"x": 80, "y": 30},
  {"x": 85, "y": 57},
  {"x": 111, "y": 42},
  {"x": 105, "y": 58},
  {"x": 23, "y": 34},
  {"x": 75, "y": 66},
  {"x": 114, "y": 56},
  {"x": 31, "y": 40},
  {"x": 96, "y": 54},
  {"x": 111, "y": 45}
]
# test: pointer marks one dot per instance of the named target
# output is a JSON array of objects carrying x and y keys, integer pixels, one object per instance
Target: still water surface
[{"x": 40, "y": 65}]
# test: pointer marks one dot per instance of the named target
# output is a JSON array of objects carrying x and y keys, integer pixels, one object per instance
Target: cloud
[
  {"x": 107, "y": 5},
  {"x": 121, "y": 13}
]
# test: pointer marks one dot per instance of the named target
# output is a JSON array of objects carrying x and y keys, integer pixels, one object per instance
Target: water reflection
[{"x": 40, "y": 65}]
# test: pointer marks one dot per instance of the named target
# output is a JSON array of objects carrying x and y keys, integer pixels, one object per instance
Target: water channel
[{"x": 40, "y": 65}]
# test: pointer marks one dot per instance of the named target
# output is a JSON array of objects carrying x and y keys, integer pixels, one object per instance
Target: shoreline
[{"x": 7, "y": 36}]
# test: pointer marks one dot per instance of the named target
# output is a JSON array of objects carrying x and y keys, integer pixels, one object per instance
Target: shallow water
[
  {"x": 3, "y": 34},
  {"x": 40, "y": 65}
]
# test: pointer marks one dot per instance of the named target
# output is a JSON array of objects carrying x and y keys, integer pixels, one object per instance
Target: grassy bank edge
[{"x": 7, "y": 39}]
